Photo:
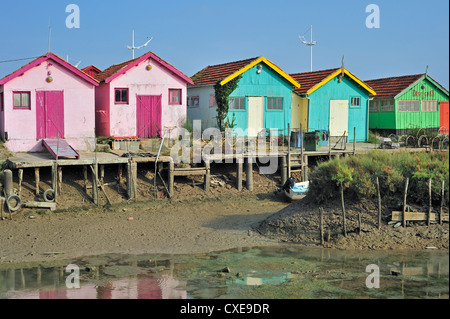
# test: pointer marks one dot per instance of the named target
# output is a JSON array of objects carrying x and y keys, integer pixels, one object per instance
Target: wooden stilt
[
  {"x": 240, "y": 166},
  {"x": 171, "y": 177},
  {"x": 20, "y": 173},
  {"x": 60, "y": 180},
  {"x": 283, "y": 170},
  {"x": 94, "y": 169},
  {"x": 207, "y": 175},
  {"x": 250, "y": 174},
  {"x": 36, "y": 180},
  {"x": 85, "y": 177}
]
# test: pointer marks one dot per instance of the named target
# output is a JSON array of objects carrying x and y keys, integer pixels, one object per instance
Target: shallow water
[{"x": 269, "y": 273}]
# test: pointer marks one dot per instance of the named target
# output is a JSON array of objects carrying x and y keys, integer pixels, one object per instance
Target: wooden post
[
  {"x": 85, "y": 177},
  {"x": 94, "y": 169},
  {"x": 283, "y": 170},
  {"x": 430, "y": 203},
  {"x": 59, "y": 179},
  {"x": 250, "y": 174},
  {"x": 359, "y": 223},
  {"x": 344, "y": 222},
  {"x": 55, "y": 180},
  {"x": 379, "y": 203},
  {"x": 171, "y": 177},
  {"x": 289, "y": 152},
  {"x": 301, "y": 150},
  {"x": 441, "y": 211},
  {"x": 240, "y": 166},
  {"x": 8, "y": 187},
  {"x": 36, "y": 180},
  {"x": 207, "y": 175},
  {"x": 134, "y": 167},
  {"x": 20, "y": 173},
  {"x": 305, "y": 170},
  {"x": 321, "y": 225},
  {"x": 404, "y": 201},
  {"x": 102, "y": 173}
]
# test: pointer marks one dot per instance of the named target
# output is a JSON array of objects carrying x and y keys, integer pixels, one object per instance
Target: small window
[
  {"x": 22, "y": 100},
  {"x": 1, "y": 102},
  {"x": 275, "y": 103},
  {"x": 212, "y": 100},
  {"x": 373, "y": 106},
  {"x": 409, "y": 106},
  {"x": 175, "y": 97},
  {"x": 355, "y": 102},
  {"x": 237, "y": 103},
  {"x": 429, "y": 106},
  {"x": 387, "y": 106},
  {"x": 195, "y": 101},
  {"x": 121, "y": 96}
]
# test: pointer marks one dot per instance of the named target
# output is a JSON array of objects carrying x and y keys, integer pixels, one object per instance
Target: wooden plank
[
  {"x": 51, "y": 206},
  {"x": 417, "y": 216},
  {"x": 189, "y": 172}
]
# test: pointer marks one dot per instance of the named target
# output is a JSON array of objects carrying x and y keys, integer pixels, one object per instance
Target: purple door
[
  {"x": 148, "y": 110},
  {"x": 50, "y": 114}
]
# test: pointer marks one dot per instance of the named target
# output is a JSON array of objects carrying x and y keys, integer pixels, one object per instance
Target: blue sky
[{"x": 196, "y": 33}]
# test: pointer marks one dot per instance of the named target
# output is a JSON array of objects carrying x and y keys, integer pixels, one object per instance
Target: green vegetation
[
  {"x": 358, "y": 174},
  {"x": 222, "y": 93}
]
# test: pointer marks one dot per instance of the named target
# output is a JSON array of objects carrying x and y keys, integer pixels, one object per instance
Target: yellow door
[
  {"x": 299, "y": 112},
  {"x": 255, "y": 115}
]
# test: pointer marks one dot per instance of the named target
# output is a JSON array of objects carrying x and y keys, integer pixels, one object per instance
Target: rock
[
  {"x": 226, "y": 269},
  {"x": 239, "y": 275},
  {"x": 397, "y": 225}
]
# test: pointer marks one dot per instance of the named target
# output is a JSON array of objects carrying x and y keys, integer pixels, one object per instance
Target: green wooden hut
[{"x": 407, "y": 102}]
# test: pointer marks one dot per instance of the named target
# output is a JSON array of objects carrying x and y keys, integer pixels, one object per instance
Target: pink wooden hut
[
  {"x": 140, "y": 97},
  {"x": 47, "y": 99}
]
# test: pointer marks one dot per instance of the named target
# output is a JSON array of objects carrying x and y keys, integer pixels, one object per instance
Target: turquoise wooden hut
[
  {"x": 262, "y": 99},
  {"x": 333, "y": 100}
]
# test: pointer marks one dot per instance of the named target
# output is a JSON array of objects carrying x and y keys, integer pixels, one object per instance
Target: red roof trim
[{"x": 44, "y": 58}]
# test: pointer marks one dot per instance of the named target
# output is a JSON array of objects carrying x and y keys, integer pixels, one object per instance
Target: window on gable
[
  {"x": 237, "y": 103},
  {"x": 22, "y": 100},
  {"x": 429, "y": 106},
  {"x": 275, "y": 103},
  {"x": 175, "y": 97},
  {"x": 121, "y": 96},
  {"x": 355, "y": 102}
]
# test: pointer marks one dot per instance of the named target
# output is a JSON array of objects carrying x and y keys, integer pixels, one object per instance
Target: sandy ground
[{"x": 192, "y": 222}]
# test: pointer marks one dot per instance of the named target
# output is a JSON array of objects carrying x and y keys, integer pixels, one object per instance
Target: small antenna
[
  {"x": 310, "y": 44},
  {"x": 133, "y": 48},
  {"x": 49, "y": 37}
]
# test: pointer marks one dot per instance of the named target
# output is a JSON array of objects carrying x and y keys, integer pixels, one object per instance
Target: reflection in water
[{"x": 289, "y": 272}]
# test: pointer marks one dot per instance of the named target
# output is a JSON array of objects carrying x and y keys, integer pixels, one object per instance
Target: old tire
[
  {"x": 18, "y": 205},
  {"x": 49, "y": 195}
]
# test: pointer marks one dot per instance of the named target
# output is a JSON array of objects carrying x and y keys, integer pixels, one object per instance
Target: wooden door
[
  {"x": 444, "y": 121},
  {"x": 338, "y": 117},
  {"x": 50, "y": 114},
  {"x": 255, "y": 115},
  {"x": 148, "y": 116}
]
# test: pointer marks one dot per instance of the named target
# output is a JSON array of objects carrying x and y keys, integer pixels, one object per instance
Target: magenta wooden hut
[
  {"x": 47, "y": 99},
  {"x": 140, "y": 97}
]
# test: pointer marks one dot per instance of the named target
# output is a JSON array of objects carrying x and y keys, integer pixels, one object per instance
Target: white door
[
  {"x": 338, "y": 117},
  {"x": 255, "y": 115}
]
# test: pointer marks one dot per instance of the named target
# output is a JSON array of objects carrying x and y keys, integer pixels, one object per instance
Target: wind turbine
[
  {"x": 132, "y": 48},
  {"x": 310, "y": 44}
]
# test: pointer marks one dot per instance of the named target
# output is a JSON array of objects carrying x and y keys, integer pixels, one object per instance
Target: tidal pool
[{"x": 286, "y": 272}]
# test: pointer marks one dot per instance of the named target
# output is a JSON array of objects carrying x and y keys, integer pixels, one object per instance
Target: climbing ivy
[{"x": 222, "y": 93}]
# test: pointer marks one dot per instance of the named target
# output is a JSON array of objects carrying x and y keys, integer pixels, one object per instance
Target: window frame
[
  {"x": 428, "y": 101},
  {"x": 409, "y": 111},
  {"x": 355, "y": 106},
  {"x": 392, "y": 104},
  {"x": 236, "y": 98},
  {"x": 180, "y": 102},
  {"x": 191, "y": 102},
  {"x": 378, "y": 106},
  {"x": 274, "y": 98},
  {"x": 21, "y": 107},
  {"x": 128, "y": 96}
]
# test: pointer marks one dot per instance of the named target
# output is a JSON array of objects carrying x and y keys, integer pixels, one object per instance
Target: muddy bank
[{"x": 300, "y": 223}]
